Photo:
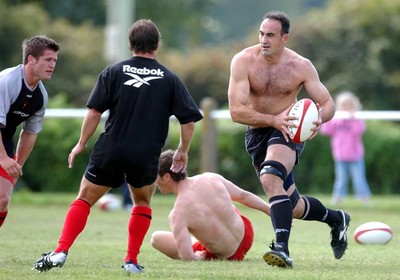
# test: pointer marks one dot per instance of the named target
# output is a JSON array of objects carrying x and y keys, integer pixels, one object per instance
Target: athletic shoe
[
  {"x": 49, "y": 260},
  {"x": 278, "y": 256},
  {"x": 339, "y": 235},
  {"x": 130, "y": 267}
]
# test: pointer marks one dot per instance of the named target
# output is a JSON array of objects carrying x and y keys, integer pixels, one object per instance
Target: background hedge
[{"x": 47, "y": 170}]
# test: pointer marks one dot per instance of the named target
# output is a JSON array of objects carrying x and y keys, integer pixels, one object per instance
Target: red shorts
[
  {"x": 244, "y": 246},
  {"x": 5, "y": 175}
]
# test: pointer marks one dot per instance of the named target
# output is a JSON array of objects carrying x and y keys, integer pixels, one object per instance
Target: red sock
[
  {"x": 74, "y": 223},
  {"x": 139, "y": 224},
  {"x": 3, "y": 216}
]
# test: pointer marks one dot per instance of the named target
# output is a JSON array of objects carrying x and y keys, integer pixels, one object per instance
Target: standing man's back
[
  {"x": 138, "y": 108},
  {"x": 141, "y": 96}
]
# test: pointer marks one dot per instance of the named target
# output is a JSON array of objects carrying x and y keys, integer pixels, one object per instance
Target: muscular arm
[
  {"x": 24, "y": 148},
  {"x": 25, "y": 145},
  {"x": 180, "y": 159},
  {"x": 89, "y": 125},
  {"x": 239, "y": 105},
  {"x": 238, "y": 95},
  {"x": 318, "y": 92},
  {"x": 244, "y": 197},
  {"x": 182, "y": 236}
]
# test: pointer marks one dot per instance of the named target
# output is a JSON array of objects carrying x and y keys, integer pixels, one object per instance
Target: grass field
[{"x": 35, "y": 220}]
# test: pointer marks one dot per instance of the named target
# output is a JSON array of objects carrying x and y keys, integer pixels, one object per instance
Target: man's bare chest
[{"x": 274, "y": 80}]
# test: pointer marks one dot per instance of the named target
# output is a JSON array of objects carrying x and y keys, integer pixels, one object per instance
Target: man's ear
[
  {"x": 166, "y": 177},
  {"x": 285, "y": 37},
  {"x": 31, "y": 59}
]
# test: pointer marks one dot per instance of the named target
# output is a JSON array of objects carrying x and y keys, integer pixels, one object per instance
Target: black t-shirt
[{"x": 141, "y": 95}]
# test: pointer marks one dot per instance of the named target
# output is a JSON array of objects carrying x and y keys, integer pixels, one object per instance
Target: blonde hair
[{"x": 348, "y": 101}]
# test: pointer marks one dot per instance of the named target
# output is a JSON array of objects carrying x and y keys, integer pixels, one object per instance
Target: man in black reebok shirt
[
  {"x": 141, "y": 95},
  {"x": 23, "y": 99}
]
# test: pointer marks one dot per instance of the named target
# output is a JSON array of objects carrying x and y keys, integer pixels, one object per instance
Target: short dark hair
[
  {"x": 165, "y": 166},
  {"x": 36, "y": 45},
  {"x": 144, "y": 36},
  {"x": 282, "y": 18}
]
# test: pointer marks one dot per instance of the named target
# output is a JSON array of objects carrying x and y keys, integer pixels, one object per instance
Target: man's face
[
  {"x": 271, "y": 40},
  {"x": 43, "y": 66}
]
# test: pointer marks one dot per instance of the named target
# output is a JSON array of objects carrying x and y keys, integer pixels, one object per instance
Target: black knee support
[
  {"x": 295, "y": 197},
  {"x": 273, "y": 167}
]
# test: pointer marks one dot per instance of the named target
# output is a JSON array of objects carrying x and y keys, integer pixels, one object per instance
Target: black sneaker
[
  {"x": 49, "y": 260},
  {"x": 278, "y": 256},
  {"x": 339, "y": 235}
]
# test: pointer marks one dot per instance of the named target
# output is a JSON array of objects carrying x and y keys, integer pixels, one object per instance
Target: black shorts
[
  {"x": 114, "y": 174},
  {"x": 257, "y": 142}
]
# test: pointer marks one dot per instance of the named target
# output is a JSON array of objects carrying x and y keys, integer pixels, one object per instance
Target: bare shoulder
[
  {"x": 302, "y": 65},
  {"x": 210, "y": 175},
  {"x": 247, "y": 54},
  {"x": 297, "y": 59}
]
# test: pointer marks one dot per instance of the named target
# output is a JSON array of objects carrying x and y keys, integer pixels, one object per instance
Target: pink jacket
[{"x": 346, "y": 138}]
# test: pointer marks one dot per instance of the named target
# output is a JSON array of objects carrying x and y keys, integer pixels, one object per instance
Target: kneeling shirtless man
[{"x": 203, "y": 209}]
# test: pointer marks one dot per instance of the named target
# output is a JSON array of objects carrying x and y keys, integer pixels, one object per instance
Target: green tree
[
  {"x": 181, "y": 22},
  {"x": 13, "y": 30},
  {"x": 80, "y": 58},
  {"x": 205, "y": 71},
  {"x": 355, "y": 47},
  {"x": 75, "y": 11}
]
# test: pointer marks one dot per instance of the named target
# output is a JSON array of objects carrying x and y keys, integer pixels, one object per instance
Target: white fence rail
[
  {"x": 224, "y": 114},
  {"x": 208, "y": 154}
]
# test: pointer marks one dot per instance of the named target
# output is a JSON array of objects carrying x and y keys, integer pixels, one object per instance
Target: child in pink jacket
[{"x": 347, "y": 149}]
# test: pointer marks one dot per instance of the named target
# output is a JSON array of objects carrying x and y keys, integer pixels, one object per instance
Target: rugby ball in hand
[
  {"x": 306, "y": 111},
  {"x": 373, "y": 233}
]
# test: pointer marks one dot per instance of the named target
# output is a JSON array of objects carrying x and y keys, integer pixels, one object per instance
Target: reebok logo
[
  {"x": 142, "y": 71},
  {"x": 137, "y": 81}
]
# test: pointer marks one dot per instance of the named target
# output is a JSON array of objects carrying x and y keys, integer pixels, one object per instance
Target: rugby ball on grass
[
  {"x": 109, "y": 202},
  {"x": 306, "y": 111},
  {"x": 373, "y": 233}
]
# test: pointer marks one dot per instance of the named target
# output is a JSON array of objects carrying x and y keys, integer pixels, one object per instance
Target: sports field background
[{"x": 35, "y": 220}]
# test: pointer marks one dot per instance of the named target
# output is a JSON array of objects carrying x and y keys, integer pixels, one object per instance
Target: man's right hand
[
  {"x": 283, "y": 121},
  {"x": 11, "y": 167},
  {"x": 79, "y": 148}
]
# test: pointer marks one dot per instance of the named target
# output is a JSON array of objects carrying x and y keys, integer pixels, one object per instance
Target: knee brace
[
  {"x": 273, "y": 167},
  {"x": 294, "y": 198}
]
